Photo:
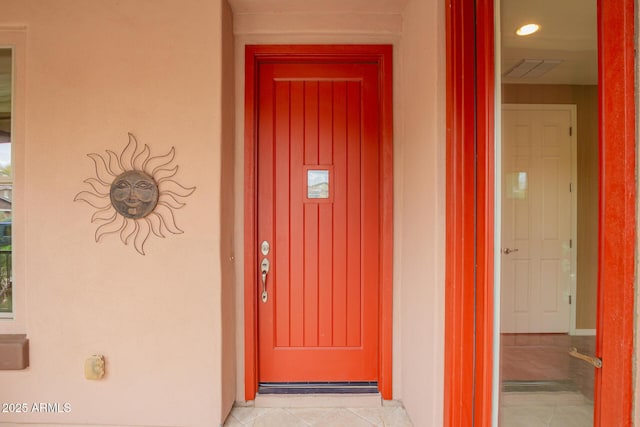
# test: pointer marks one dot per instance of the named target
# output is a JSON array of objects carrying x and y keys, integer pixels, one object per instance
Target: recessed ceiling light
[{"x": 527, "y": 29}]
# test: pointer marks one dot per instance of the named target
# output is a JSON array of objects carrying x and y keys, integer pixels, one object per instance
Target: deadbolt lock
[{"x": 264, "y": 248}]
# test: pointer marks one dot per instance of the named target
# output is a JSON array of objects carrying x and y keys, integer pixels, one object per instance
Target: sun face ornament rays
[{"x": 134, "y": 194}]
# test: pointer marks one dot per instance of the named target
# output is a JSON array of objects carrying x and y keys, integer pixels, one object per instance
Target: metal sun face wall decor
[{"x": 135, "y": 194}]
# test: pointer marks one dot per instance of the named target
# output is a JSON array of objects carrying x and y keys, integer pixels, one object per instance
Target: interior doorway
[
  {"x": 549, "y": 212},
  {"x": 539, "y": 193}
]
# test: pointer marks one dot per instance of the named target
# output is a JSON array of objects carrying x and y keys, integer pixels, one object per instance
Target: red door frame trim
[
  {"x": 382, "y": 55},
  {"x": 470, "y": 199},
  {"x": 469, "y": 245}
]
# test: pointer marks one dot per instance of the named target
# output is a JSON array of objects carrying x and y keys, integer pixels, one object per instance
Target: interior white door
[{"x": 536, "y": 218}]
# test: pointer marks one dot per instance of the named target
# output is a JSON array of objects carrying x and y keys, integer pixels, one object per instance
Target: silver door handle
[
  {"x": 264, "y": 269},
  {"x": 507, "y": 251}
]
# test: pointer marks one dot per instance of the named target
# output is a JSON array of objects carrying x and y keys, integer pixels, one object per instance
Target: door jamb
[{"x": 382, "y": 55}]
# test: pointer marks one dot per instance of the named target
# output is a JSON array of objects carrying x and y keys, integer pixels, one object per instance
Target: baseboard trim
[{"x": 583, "y": 332}]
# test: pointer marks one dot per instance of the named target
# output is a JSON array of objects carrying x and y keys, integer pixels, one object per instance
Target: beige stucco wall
[
  {"x": 420, "y": 175},
  {"x": 227, "y": 199},
  {"x": 93, "y": 71}
]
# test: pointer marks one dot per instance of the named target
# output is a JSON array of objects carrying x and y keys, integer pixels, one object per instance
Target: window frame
[
  {"x": 14, "y": 322},
  {"x": 9, "y": 180}
]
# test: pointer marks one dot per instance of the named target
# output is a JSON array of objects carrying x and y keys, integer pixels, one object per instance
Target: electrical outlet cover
[{"x": 94, "y": 367}]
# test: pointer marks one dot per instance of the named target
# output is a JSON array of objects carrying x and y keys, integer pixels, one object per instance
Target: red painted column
[
  {"x": 617, "y": 231},
  {"x": 469, "y": 243}
]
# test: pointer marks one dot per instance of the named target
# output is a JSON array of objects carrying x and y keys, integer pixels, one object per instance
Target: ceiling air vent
[{"x": 532, "y": 68}]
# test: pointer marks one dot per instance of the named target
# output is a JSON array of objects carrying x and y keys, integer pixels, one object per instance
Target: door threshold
[
  {"x": 340, "y": 387},
  {"x": 318, "y": 400}
]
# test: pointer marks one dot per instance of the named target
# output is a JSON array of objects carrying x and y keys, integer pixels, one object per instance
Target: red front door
[{"x": 318, "y": 214}]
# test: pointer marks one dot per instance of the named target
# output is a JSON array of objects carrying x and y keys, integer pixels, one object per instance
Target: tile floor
[
  {"x": 542, "y": 360},
  {"x": 387, "y": 416},
  {"x": 559, "y": 409}
]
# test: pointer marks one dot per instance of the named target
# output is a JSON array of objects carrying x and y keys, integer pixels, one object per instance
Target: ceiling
[{"x": 568, "y": 34}]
